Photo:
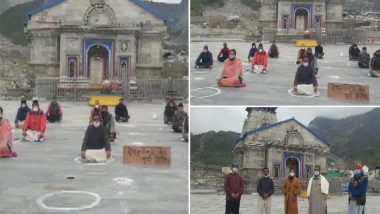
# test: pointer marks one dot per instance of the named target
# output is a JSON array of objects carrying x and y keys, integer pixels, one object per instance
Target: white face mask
[
  {"x": 23, "y": 105},
  {"x": 96, "y": 106},
  {"x": 260, "y": 50},
  {"x": 96, "y": 124},
  {"x": 232, "y": 56},
  {"x": 291, "y": 174},
  {"x": 35, "y": 108},
  {"x": 316, "y": 173},
  {"x": 305, "y": 64},
  {"x": 235, "y": 170}
]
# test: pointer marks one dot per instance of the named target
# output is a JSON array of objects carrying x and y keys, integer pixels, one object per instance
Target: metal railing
[{"x": 80, "y": 89}]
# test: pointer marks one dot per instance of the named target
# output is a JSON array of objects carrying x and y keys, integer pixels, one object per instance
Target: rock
[{"x": 233, "y": 18}]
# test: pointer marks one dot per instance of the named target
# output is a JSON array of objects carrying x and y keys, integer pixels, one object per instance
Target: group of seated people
[
  {"x": 365, "y": 60},
  {"x": 177, "y": 117}
]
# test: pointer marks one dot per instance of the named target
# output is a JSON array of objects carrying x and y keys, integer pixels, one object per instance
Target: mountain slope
[
  {"x": 353, "y": 138},
  {"x": 213, "y": 148}
]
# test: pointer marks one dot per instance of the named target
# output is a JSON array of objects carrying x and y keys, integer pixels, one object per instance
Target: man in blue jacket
[
  {"x": 357, "y": 190},
  {"x": 21, "y": 114}
]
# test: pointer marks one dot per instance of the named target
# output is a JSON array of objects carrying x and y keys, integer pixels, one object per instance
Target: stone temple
[
  {"x": 301, "y": 15},
  {"x": 265, "y": 142},
  {"x": 96, "y": 40}
]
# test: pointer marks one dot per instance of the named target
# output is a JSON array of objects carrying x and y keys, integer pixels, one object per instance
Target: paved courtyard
[
  {"x": 41, "y": 168},
  {"x": 272, "y": 88},
  {"x": 215, "y": 204}
]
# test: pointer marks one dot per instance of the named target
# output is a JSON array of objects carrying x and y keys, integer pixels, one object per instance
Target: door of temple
[
  {"x": 293, "y": 163},
  {"x": 301, "y": 20},
  {"x": 98, "y": 64}
]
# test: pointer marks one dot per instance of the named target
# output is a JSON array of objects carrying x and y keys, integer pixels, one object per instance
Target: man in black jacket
[
  {"x": 305, "y": 82},
  {"x": 204, "y": 59},
  {"x": 121, "y": 112},
  {"x": 265, "y": 189},
  {"x": 96, "y": 146}
]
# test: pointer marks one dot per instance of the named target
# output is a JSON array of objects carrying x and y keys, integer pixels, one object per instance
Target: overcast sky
[{"x": 205, "y": 119}]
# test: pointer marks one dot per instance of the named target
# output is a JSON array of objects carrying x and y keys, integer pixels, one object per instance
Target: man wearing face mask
[
  {"x": 95, "y": 110},
  {"x": 233, "y": 187},
  {"x": 357, "y": 190},
  {"x": 301, "y": 54},
  {"x": 232, "y": 75},
  {"x": 265, "y": 189},
  {"x": 354, "y": 52},
  {"x": 35, "y": 124},
  {"x": 5, "y": 137},
  {"x": 317, "y": 191},
  {"x": 291, "y": 190},
  {"x": 96, "y": 146},
  {"x": 252, "y": 52},
  {"x": 204, "y": 59},
  {"x": 305, "y": 82},
  {"x": 108, "y": 123},
  {"x": 319, "y": 51},
  {"x": 260, "y": 61},
  {"x": 374, "y": 70},
  {"x": 22, "y": 111}
]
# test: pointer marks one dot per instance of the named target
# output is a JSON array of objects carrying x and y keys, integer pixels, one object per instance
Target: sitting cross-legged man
[{"x": 96, "y": 146}]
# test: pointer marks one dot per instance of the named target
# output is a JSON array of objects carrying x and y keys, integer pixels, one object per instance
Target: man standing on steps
[
  {"x": 234, "y": 187},
  {"x": 265, "y": 189}
]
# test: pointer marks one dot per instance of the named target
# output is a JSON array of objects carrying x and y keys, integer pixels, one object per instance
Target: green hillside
[{"x": 198, "y": 6}]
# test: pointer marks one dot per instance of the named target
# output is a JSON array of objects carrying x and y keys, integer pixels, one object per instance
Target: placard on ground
[
  {"x": 348, "y": 91},
  {"x": 147, "y": 155}
]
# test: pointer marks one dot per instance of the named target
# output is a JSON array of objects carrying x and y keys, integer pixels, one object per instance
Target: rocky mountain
[
  {"x": 353, "y": 138},
  {"x": 213, "y": 148}
]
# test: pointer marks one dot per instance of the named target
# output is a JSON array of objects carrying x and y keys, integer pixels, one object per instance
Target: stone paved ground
[
  {"x": 215, "y": 204},
  {"x": 272, "y": 88},
  {"x": 41, "y": 169}
]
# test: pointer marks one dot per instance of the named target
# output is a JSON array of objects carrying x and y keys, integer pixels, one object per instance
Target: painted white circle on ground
[
  {"x": 217, "y": 92},
  {"x": 97, "y": 199},
  {"x": 123, "y": 181},
  {"x": 303, "y": 96},
  {"x": 199, "y": 72},
  {"x": 78, "y": 160},
  {"x": 199, "y": 78},
  {"x": 334, "y": 77}
]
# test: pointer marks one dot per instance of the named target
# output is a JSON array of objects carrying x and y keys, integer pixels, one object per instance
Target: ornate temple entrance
[
  {"x": 292, "y": 162},
  {"x": 98, "y": 64},
  {"x": 302, "y": 17}
]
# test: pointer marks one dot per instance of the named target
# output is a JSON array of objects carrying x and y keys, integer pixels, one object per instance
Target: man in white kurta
[{"x": 317, "y": 192}]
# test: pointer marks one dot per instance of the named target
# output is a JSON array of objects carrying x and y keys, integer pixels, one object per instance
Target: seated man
[
  {"x": 305, "y": 82},
  {"x": 223, "y": 54},
  {"x": 95, "y": 110},
  {"x": 319, "y": 51},
  {"x": 35, "y": 124},
  {"x": 180, "y": 116},
  {"x": 54, "y": 112},
  {"x": 354, "y": 52},
  {"x": 300, "y": 55},
  {"x": 273, "y": 51},
  {"x": 312, "y": 60},
  {"x": 108, "y": 123},
  {"x": 232, "y": 75},
  {"x": 121, "y": 112},
  {"x": 260, "y": 61},
  {"x": 169, "y": 113},
  {"x": 374, "y": 70},
  {"x": 5, "y": 137},
  {"x": 204, "y": 59},
  {"x": 252, "y": 52},
  {"x": 364, "y": 58},
  {"x": 96, "y": 146},
  {"x": 21, "y": 114}
]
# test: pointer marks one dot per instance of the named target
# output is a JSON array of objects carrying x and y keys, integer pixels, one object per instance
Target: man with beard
[{"x": 232, "y": 75}]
